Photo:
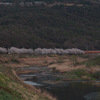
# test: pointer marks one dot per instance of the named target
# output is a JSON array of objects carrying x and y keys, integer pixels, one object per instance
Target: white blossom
[{"x": 3, "y": 50}]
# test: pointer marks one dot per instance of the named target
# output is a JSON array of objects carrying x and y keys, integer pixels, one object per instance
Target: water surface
[{"x": 67, "y": 90}]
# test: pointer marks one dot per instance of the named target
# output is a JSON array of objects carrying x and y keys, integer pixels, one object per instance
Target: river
[{"x": 45, "y": 79}]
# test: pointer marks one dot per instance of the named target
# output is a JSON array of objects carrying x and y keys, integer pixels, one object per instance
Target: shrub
[
  {"x": 74, "y": 61},
  {"x": 52, "y": 62},
  {"x": 54, "y": 69},
  {"x": 88, "y": 65},
  {"x": 97, "y": 75},
  {"x": 79, "y": 72},
  {"x": 15, "y": 60},
  {"x": 45, "y": 62},
  {"x": 60, "y": 60}
]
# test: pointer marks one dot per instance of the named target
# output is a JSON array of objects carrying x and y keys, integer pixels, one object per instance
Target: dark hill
[{"x": 60, "y": 27}]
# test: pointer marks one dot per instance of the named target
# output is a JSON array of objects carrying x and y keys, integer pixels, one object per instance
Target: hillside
[
  {"x": 12, "y": 88},
  {"x": 50, "y": 27}
]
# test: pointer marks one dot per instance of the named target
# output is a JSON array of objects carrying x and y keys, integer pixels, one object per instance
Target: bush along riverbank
[
  {"x": 82, "y": 74},
  {"x": 12, "y": 88}
]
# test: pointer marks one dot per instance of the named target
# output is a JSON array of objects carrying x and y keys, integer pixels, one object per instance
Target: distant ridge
[{"x": 50, "y": 27}]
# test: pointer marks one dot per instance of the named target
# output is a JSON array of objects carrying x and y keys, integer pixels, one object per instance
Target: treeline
[
  {"x": 14, "y": 50},
  {"x": 55, "y": 27},
  {"x": 40, "y": 51},
  {"x": 53, "y": 1},
  {"x": 58, "y": 51}
]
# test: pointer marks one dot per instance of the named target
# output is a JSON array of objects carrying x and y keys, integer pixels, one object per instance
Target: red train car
[{"x": 92, "y": 52}]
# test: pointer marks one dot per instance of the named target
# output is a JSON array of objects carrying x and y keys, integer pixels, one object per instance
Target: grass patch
[
  {"x": 92, "y": 62},
  {"x": 4, "y": 95},
  {"x": 80, "y": 74},
  {"x": 43, "y": 98},
  {"x": 60, "y": 60},
  {"x": 15, "y": 61},
  {"x": 97, "y": 75}
]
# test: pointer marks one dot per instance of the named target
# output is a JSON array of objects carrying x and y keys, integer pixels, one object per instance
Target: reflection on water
[
  {"x": 27, "y": 75},
  {"x": 93, "y": 96},
  {"x": 35, "y": 67},
  {"x": 76, "y": 91},
  {"x": 32, "y": 83}
]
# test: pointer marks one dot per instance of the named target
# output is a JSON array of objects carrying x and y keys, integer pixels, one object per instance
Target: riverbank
[
  {"x": 13, "y": 88},
  {"x": 74, "y": 67},
  {"x": 49, "y": 71}
]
